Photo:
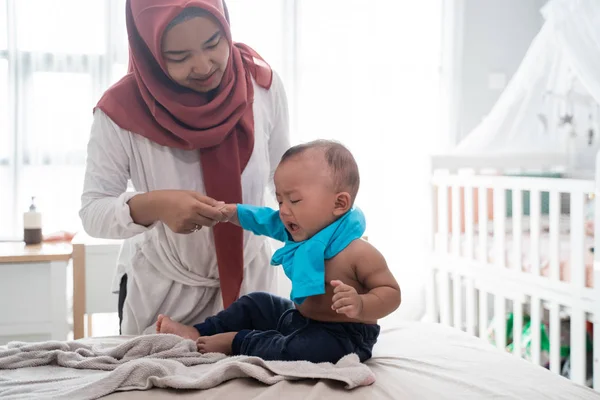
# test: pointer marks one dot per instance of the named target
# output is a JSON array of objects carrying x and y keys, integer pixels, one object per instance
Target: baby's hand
[
  {"x": 229, "y": 211},
  {"x": 346, "y": 300}
]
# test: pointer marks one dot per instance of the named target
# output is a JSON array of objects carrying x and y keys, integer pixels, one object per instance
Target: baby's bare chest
[{"x": 341, "y": 267}]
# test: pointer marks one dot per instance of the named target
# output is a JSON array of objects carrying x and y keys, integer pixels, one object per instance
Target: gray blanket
[{"x": 83, "y": 371}]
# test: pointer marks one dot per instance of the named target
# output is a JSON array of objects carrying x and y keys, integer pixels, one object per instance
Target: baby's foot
[
  {"x": 165, "y": 324},
  {"x": 220, "y": 343}
]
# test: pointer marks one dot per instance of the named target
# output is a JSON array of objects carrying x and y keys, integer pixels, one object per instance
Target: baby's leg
[
  {"x": 219, "y": 343},
  {"x": 255, "y": 311},
  {"x": 165, "y": 324},
  {"x": 311, "y": 343}
]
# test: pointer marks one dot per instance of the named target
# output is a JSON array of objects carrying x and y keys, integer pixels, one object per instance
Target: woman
[{"x": 199, "y": 120}]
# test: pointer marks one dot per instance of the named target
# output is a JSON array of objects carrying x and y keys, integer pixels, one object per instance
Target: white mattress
[{"x": 411, "y": 361}]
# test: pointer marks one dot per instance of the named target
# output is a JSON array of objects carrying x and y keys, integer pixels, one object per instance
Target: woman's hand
[
  {"x": 186, "y": 211},
  {"x": 183, "y": 211}
]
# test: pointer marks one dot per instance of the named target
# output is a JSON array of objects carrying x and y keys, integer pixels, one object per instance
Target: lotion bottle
[{"x": 32, "y": 225}]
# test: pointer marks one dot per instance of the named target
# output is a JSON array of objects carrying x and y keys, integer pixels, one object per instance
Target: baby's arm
[
  {"x": 383, "y": 292},
  {"x": 259, "y": 220},
  {"x": 383, "y": 296}
]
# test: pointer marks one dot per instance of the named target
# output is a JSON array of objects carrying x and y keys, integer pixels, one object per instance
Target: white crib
[{"x": 535, "y": 261}]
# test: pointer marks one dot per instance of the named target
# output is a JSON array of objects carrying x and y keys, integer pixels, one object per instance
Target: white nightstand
[{"x": 33, "y": 292}]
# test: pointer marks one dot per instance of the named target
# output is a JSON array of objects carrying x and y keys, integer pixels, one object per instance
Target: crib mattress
[{"x": 564, "y": 253}]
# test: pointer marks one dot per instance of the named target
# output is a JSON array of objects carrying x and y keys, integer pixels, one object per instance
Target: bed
[
  {"x": 513, "y": 258},
  {"x": 411, "y": 361}
]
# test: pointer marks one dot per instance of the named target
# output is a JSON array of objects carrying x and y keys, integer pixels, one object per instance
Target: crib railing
[{"x": 474, "y": 291}]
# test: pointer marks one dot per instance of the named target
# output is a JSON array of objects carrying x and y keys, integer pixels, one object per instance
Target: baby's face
[{"x": 306, "y": 196}]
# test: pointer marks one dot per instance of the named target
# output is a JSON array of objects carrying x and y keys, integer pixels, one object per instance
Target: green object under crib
[{"x": 526, "y": 340}]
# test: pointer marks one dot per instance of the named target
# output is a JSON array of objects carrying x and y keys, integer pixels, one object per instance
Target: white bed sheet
[{"x": 411, "y": 361}]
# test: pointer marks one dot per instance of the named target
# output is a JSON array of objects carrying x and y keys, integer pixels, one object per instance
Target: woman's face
[{"x": 196, "y": 53}]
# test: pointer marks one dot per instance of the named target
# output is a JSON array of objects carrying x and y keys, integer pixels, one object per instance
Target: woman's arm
[
  {"x": 279, "y": 137},
  {"x": 108, "y": 211},
  {"x": 105, "y": 210},
  {"x": 145, "y": 208}
]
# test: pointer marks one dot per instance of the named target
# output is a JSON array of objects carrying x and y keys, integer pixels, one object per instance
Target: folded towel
[{"x": 76, "y": 370}]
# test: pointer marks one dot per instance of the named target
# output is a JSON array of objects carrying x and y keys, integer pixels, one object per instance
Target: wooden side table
[{"x": 33, "y": 291}]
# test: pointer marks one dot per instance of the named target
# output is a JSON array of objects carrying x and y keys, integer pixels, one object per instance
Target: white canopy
[{"x": 551, "y": 103}]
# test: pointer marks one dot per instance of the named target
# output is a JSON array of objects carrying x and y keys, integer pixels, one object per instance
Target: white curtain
[{"x": 56, "y": 58}]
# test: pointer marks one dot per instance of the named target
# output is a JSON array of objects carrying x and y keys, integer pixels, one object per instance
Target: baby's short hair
[{"x": 342, "y": 164}]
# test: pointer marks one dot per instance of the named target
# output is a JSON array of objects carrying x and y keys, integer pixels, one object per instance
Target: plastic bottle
[{"x": 32, "y": 225}]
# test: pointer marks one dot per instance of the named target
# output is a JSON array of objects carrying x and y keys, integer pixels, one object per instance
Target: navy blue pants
[{"x": 271, "y": 328}]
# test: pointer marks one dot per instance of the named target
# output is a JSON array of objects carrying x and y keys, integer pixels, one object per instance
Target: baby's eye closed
[{"x": 295, "y": 201}]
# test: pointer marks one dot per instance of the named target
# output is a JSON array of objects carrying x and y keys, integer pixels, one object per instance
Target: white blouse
[{"x": 169, "y": 273}]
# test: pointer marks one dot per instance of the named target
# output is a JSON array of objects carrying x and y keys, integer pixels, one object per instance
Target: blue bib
[{"x": 303, "y": 262}]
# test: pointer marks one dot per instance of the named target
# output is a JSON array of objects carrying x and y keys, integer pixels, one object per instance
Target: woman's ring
[{"x": 196, "y": 228}]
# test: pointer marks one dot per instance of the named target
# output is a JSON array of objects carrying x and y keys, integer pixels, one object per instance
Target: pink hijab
[{"x": 147, "y": 102}]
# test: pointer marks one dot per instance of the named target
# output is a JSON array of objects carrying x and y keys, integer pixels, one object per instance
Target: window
[
  {"x": 62, "y": 57},
  {"x": 65, "y": 27},
  {"x": 6, "y": 147},
  {"x": 6, "y": 153},
  {"x": 5, "y": 139},
  {"x": 55, "y": 151},
  {"x": 56, "y": 59},
  {"x": 3, "y": 23}
]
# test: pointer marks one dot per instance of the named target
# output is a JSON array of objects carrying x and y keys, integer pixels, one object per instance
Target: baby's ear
[{"x": 343, "y": 203}]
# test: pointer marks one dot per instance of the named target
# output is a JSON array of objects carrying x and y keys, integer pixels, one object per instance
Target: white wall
[{"x": 496, "y": 36}]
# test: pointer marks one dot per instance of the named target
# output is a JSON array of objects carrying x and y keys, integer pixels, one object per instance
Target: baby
[{"x": 341, "y": 284}]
